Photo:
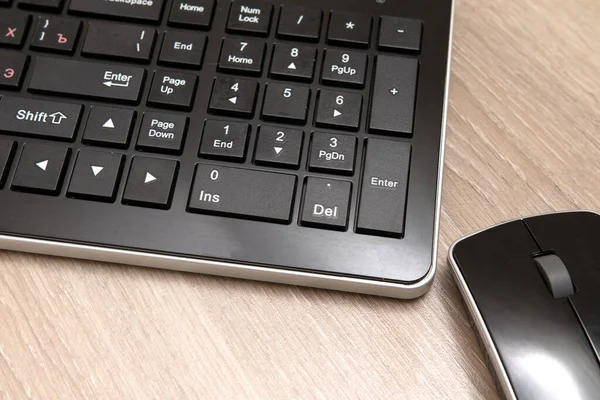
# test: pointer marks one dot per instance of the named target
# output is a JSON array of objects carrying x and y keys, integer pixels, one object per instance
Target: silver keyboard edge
[{"x": 231, "y": 270}]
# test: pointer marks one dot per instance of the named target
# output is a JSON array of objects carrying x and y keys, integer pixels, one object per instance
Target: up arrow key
[
  {"x": 292, "y": 66},
  {"x": 109, "y": 124}
]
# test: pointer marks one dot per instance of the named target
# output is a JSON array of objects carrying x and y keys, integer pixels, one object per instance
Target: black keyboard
[{"x": 298, "y": 141}]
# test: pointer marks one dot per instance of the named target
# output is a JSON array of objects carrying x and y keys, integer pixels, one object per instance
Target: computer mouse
[{"x": 532, "y": 287}]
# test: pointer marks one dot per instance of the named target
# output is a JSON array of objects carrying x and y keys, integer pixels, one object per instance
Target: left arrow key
[
  {"x": 32, "y": 117},
  {"x": 40, "y": 169}
]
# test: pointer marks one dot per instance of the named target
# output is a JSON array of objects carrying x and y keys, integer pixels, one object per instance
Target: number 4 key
[{"x": 12, "y": 69}]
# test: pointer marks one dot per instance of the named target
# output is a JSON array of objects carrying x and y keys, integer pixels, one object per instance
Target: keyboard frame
[{"x": 402, "y": 268}]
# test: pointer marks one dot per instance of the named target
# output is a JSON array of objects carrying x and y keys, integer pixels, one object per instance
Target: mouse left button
[{"x": 556, "y": 275}]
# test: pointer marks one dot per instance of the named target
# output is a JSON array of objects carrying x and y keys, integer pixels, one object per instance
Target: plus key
[
  {"x": 13, "y": 29},
  {"x": 12, "y": 68}
]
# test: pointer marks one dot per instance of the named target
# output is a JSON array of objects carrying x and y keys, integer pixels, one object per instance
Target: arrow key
[
  {"x": 233, "y": 96},
  {"x": 279, "y": 147},
  {"x": 40, "y": 169},
  {"x": 293, "y": 62},
  {"x": 109, "y": 126},
  {"x": 150, "y": 182},
  {"x": 339, "y": 109},
  {"x": 96, "y": 175}
]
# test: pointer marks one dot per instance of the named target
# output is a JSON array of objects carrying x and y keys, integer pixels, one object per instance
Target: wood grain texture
[{"x": 523, "y": 138}]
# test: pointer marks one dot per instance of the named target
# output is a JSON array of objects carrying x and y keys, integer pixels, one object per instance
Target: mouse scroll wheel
[{"x": 556, "y": 275}]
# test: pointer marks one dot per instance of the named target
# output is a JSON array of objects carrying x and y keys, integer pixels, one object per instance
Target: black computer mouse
[{"x": 532, "y": 287}]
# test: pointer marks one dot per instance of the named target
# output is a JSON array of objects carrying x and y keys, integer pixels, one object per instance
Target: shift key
[
  {"x": 382, "y": 204},
  {"x": 41, "y": 118},
  {"x": 65, "y": 77}
]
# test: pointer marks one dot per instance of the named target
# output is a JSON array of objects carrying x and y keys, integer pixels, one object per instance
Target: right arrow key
[{"x": 337, "y": 109}]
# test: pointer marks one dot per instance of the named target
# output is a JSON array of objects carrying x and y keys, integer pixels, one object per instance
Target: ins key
[{"x": 162, "y": 133}]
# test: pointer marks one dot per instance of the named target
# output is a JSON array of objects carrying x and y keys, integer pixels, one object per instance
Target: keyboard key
[
  {"x": 349, "y": 29},
  {"x": 7, "y": 152},
  {"x": 384, "y": 186},
  {"x": 56, "y": 34},
  {"x": 344, "y": 68},
  {"x": 326, "y": 203},
  {"x": 12, "y": 69},
  {"x": 87, "y": 79},
  {"x": 40, "y": 169},
  {"x": 402, "y": 34},
  {"x": 13, "y": 28},
  {"x": 173, "y": 90},
  {"x": 293, "y": 62},
  {"x": 192, "y": 13},
  {"x": 242, "y": 56},
  {"x": 339, "y": 109},
  {"x": 393, "y": 95},
  {"x": 50, "y": 5},
  {"x": 233, "y": 96},
  {"x": 286, "y": 102},
  {"x": 162, "y": 133},
  {"x": 332, "y": 153},
  {"x": 250, "y": 16},
  {"x": 119, "y": 41},
  {"x": 243, "y": 193},
  {"x": 140, "y": 10},
  {"x": 96, "y": 175},
  {"x": 279, "y": 147},
  {"x": 150, "y": 182},
  {"x": 300, "y": 23},
  {"x": 109, "y": 126},
  {"x": 32, "y": 117},
  {"x": 182, "y": 49},
  {"x": 224, "y": 140}
]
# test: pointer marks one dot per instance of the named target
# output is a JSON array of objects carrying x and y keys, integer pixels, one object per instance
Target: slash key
[{"x": 121, "y": 41}]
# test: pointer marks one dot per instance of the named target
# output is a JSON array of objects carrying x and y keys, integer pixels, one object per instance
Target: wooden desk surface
[{"x": 523, "y": 138}]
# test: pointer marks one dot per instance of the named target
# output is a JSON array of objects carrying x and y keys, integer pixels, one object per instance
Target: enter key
[
  {"x": 66, "y": 77},
  {"x": 382, "y": 206}
]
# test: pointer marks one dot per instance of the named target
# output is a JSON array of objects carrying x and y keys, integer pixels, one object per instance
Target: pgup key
[
  {"x": 111, "y": 40},
  {"x": 344, "y": 68}
]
